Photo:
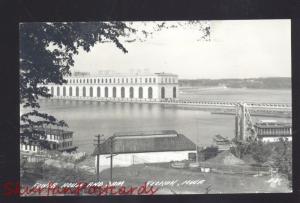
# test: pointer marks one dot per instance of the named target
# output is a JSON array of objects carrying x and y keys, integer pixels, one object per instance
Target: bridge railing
[{"x": 179, "y": 101}]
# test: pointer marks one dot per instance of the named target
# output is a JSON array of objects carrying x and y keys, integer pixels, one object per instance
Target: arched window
[
  {"x": 110, "y": 80},
  {"x": 95, "y": 81},
  {"x": 150, "y": 92},
  {"x": 98, "y": 80},
  {"x": 83, "y": 81},
  {"x": 87, "y": 80},
  {"x": 98, "y": 91},
  {"x": 146, "y": 80},
  {"x": 106, "y": 91},
  {"x": 52, "y": 91},
  {"x": 126, "y": 80},
  {"x": 131, "y": 80},
  {"x": 64, "y": 91},
  {"x": 131, "y": 92},
  {"x": 135, "y": 80},
  {"x": 114, "y": 80},
  {"x": 91, "y": 81},
  {"x": 174, "y": 92},
  {"x": 163, "y": 92},
  {"x": 57, "y": 91},
  {"x": 70, "y": 92},
  {"x": 114, "y": 92},
  {"x": 105, "y": 80},
  {"x": 140, "y": 92},
  {"x": 122, "y": 92},
  {"x": 122, "y": 80},
  {"x": 91, "y": 91},
  {"x": 77, "y": 91},
  {"x": 83, "y": 92},
  {"x": 150, "y": 80},
  {"x": 154, "y": 80},
  {"x": 102, "y": 80},
  {"x": 118, "y": 80}
]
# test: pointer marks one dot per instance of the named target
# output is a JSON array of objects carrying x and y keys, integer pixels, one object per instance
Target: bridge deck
[{"x": 207, "y": 104}]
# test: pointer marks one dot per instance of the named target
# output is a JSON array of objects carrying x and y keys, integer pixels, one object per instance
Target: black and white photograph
[{"x": 155, "y": 107}]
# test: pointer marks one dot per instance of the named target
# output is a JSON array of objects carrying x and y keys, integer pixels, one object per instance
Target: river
[{"x": 88, "y": 118}]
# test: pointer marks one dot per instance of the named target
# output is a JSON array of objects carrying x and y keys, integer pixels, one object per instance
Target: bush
[
  {"x": 278, "y": 155},
  {"x": 209, "y": 152}
]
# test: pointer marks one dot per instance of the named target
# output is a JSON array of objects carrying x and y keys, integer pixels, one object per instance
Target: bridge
[{"x": 227, "y": 106}]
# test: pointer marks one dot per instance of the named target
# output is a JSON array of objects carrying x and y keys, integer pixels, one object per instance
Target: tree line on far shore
[{"x": 256, "y": 83}]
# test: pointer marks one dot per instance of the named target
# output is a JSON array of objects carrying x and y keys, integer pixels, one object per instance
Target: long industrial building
[
  {"x": 152, "y": 87},
  {"x": 142, "y": 147}
]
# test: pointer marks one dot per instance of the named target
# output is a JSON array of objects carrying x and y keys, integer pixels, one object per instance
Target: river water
[{"x": 88, "y": 118}]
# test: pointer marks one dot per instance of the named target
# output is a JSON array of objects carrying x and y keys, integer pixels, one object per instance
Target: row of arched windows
[
  {"x": 120, "y": 80},
  {"x": 114, "y": 92}
]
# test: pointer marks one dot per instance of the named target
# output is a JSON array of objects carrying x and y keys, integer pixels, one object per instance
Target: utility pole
[
  {"x": 111, "y": 159},
  {"x": 98, "y": 142},
  {"x": 197, "y": 135}
]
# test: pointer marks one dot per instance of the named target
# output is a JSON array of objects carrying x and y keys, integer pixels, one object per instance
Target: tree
[
  {"x": 47, "y": 50},
  {"x": 46, "y": 56},
  {"x": 281, "y": 158}
]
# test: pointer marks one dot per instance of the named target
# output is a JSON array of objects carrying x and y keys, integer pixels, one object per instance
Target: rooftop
[
  {"x": 273, "y": 125},
  {"x": 121, "y": 74},
  {"x": 55, "y": 131},
  {"x": 146, "y": 141}
]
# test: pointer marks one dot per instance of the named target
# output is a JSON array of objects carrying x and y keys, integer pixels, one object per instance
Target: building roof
[
  {"x": 145, "y": 133},
  {"x": 121, "y": 75},
  {"x": 145, "y": 141},
  {"x": 273, "y": 125},
  {"x": 54, "y": 131}
]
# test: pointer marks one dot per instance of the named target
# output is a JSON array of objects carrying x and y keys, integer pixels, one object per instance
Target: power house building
[{"x": 135, "y": 87}]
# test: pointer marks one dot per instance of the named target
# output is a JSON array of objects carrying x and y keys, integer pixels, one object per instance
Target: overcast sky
[{"x": 238, "y": 49}]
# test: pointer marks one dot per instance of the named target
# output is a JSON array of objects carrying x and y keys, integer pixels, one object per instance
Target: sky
[{"x": 237, "y": 49}]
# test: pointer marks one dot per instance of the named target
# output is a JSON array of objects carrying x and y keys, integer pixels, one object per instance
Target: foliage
[
  {"x": 241, "y": 148},
  {"x": 278, "y": 155},
  {"x": 281, "y": 158},
  {"x": 46, "y": 56},
  {"x": 209, "y": 152}
]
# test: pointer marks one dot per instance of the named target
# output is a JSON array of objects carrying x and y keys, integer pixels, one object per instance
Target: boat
[
  {"x": 178, "y": 165},
  {"x": 223, "y": 143}
]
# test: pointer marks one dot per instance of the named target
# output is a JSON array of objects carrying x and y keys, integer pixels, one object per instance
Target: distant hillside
[{"x": 256, "y": 83}]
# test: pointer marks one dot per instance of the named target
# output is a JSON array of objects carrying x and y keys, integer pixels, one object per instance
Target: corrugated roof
[
  {"x": 141, "y": 133},
  {"x": 149, "y": 144}
]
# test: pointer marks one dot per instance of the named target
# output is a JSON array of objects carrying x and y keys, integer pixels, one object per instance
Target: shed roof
[{"x": 145, "y": 141}]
